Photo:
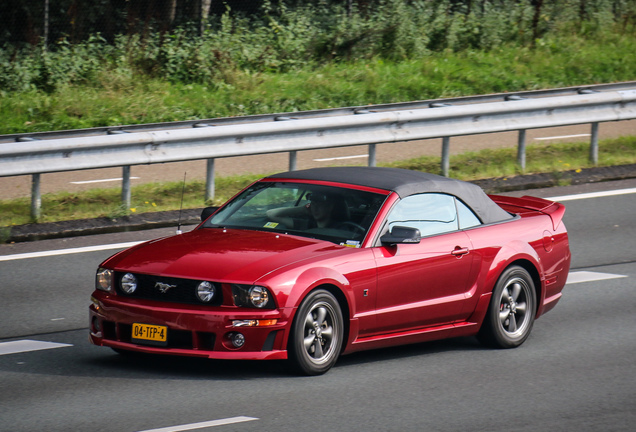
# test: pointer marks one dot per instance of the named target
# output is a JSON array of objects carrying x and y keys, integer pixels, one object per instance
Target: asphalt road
[{"x": 576, "y": 372}]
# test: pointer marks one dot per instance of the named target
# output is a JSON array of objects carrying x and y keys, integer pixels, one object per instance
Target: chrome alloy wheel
[
  {"x": 514, "y": 316},
  {"x": 319, "y": 332},
  {"x": 510, "y": 315}
]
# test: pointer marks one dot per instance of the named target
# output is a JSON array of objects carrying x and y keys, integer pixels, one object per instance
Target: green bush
[{"x": 283, "y": 38}]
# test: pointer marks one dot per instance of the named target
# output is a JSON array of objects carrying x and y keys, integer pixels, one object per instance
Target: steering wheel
[{"x": 353, "y": 227}]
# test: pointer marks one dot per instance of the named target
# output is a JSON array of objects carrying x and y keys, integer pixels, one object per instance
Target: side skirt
[{"x": 414, "y": 336}]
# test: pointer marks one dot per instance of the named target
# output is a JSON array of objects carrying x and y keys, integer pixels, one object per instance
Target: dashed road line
[
  {"x": 588, "y": 276},
  {"x": 27, "y": 345},
  {"x": 57, "y": 252},
  {"x": 563, "y": 137},
  {"x": 593, "y": 195},
  {"x": 341, "y": 158},
  {"x": 81, "y": 182},
  {"x": 201, "y": 425}
]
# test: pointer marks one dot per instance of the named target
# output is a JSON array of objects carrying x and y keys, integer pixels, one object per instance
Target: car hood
[{"x": 217, "y": 254}]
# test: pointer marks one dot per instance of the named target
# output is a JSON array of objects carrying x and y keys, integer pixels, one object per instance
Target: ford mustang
[{"x": 309, "y": 265}]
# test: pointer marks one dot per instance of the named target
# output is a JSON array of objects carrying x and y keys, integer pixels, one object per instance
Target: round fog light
[{"x": 238, "y": 340}]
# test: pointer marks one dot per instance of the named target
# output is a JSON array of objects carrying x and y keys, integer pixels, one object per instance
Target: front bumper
[{"x": 192, "y": 331}]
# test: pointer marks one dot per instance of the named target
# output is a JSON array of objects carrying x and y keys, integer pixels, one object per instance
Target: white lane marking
[
  {"x": 212, "y": 423},
  {"x": 68, "y": 251},
  {"x": 100, "y": 181},
  {"x": 341, "y": 158},
  {"x": 593, "y": 195},
  {"x": 28, "y": 345},
  {"x": 562, "y": 137},
  {"x": 588, "y": 276}
]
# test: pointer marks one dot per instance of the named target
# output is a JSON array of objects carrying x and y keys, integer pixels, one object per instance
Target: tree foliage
[{"x": 207, "y": 41}]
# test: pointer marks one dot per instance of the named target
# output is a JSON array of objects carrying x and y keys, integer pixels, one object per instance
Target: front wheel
[
  {"x": 317, "y": 334},
  {"x": 512, "y": 309}
]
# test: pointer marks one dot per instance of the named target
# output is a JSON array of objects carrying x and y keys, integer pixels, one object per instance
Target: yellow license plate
[{"x": 150, "y": 334}]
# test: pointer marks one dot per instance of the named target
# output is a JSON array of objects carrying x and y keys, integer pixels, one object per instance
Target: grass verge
[
  {"x": 155, "y": 197},
  {"x": 115, "y": 98}
]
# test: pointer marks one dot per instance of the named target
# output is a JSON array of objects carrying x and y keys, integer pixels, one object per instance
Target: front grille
[{"x": 175, "y": 290}]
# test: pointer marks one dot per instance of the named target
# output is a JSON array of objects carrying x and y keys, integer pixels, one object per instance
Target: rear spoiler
[{"x": 550, "y": 208}]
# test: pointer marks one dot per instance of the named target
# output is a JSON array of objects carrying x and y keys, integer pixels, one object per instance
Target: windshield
[{"x": 339, "y": 215}]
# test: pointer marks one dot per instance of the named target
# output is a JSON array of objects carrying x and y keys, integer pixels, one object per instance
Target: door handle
[{"x": 459, "y": 251}]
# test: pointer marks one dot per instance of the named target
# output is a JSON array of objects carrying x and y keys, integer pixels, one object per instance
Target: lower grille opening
[
  {"x": 179, "y": 339},
  {"x": 269, "y": 342},
  {"x": 124, "y": 333},
  {"x": 109, "y": 330},
  {"x": 206, "y": 341}
]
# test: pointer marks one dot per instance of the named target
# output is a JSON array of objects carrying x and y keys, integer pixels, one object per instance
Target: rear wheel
[
  {"x": 512, "y": 309},
  {"x": 317, "y": 334}
]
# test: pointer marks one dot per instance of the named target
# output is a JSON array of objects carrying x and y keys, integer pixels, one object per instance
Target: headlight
[
  {"x": 259, "y": 296},
  {"x": 252, "y": 296},
  {"x": 128, "y": 283},
  {"x": 206, "y": 292},
  {"x": 104, "y": 279}
]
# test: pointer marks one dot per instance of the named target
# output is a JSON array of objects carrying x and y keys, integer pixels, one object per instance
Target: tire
[
  {"x": 512, "y": 309},
  {"x": 128, "y": 353},
  {"x": 317, "y": 334}
]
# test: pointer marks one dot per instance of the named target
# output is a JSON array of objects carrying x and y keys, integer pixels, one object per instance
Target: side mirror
[
  {"x": 400, "y": 234},
  {"x": 207, "y": 212}
]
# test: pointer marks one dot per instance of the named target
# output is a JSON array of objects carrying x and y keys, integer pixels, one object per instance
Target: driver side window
[{"x": 431, "y": 213}]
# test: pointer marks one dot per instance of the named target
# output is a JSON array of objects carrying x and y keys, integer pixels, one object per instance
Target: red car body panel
[
  {"x": 377, "y": 285},
  {"x": 238, "y": 255}
]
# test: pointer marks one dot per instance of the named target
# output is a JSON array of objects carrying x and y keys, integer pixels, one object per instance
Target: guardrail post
[
  {"x": 36, "y": 198},
  {"x": 594, "y": 144},
  {"x": 125, "y": 187},
  {"x": 209, "y": 181},
  {"x": 293, "y": 160},
  {"x": 521, "y": 149},
  {"x": 372, "y": 156},
  {"x": 445, "y": 156}
]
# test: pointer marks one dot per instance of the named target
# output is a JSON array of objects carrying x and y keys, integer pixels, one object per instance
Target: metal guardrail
[{"x": 35, "y": 154}]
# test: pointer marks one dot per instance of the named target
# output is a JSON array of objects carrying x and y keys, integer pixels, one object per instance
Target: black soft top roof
[{"x": 405, "y": 183}]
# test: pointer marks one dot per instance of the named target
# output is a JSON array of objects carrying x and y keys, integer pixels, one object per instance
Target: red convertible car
[{"x": 308, "y": 265}]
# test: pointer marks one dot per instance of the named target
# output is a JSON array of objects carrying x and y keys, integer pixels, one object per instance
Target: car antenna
[{"x": 181, "y": 205}]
